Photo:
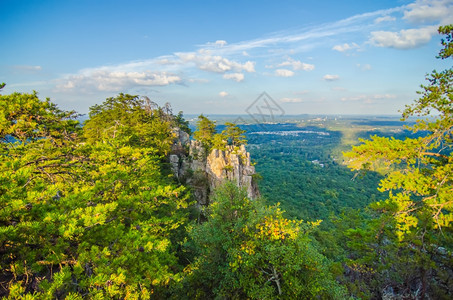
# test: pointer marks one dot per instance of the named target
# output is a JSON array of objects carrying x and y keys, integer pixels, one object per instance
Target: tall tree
[{"x": 416, "y": 219}]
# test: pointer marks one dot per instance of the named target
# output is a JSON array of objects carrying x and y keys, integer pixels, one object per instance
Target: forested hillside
[{"x": 94, "y": 210}]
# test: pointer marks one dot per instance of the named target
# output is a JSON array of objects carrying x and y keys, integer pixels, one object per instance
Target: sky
[{"x": 217, "y": 57}]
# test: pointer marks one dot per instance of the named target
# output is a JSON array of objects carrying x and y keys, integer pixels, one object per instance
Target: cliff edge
[{"x": 204, "y": 171}]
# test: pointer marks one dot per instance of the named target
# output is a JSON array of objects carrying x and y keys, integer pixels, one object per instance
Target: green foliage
[
  {"x": 138, "y": 123},
  {"x": 182, "y": 124},
  {"x": 26, "y": 118},
  {"x": 447, "y": 43},
  {"x": 234, "y": 135},
  {"x": 97, "y": 219},
  {"x": 219, "y": 141},
  {"x": 421, "y": 182},
  {"x": 414, "y": 225},
  {"x": 205, "y": 131},
  {"x": 248, "y": 250}
]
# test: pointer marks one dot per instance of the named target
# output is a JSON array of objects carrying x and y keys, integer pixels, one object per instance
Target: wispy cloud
[
  {"x": 384, "y": 19},
  {"x": 232, "y": 61},
  {"x": 338, "y": 89},
  {"x": 368, "y": 98},
  {"x": 319, "y": 32},
  {"x": 223, "y": 94},
  {"x": 291, "y": 100},
  {"x": 330, "y": 77},
  {"x": 26, "y": 68},
  {"x": 365, "y": 67}
]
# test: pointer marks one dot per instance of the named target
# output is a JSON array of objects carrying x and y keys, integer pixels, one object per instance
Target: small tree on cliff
[
  {"x": 205, "y": 131},
  {"x": 234, "y": 135}
]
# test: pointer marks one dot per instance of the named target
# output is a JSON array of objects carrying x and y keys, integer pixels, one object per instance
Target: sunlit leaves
[
  {"x": 416, "y": 219},
  {"x": 82, "y": 218},
  {"x": 248, "y": 250}
]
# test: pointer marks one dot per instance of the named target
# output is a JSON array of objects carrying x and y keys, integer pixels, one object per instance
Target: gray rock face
[
  {"x": 205, "y": 171},
  {"x": 234, "y": 165}
]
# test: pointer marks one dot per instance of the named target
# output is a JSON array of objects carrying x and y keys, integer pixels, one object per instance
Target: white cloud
[
  {"x": 384, "y": 96},
  {"x": 345, "y": 47},
  {"x": 238, "y": 77},
  {"x": 291, "y": 100},
  {"x": 304, "y": 92},
  {"x": 27, "y": 68},
  {"x": 384, "y": 19},
  {"x": 338, "y": 89},
  {"x": 167, "y": 61},
  {"x": 330, "y": 77},
  {"x": 223, "y": 94},
  {"x": 405, "y": 39},
  {"x": 198, "y": 80},
  {"x": 114, "y": 81},
  {"x": 215, "y": 63},
  {"x": 284, "y": 73},
  {"x": 304, "y": 38},
  {"x": 297, "y": 65},
  {"x": 220, "y": 43},
  {"x": 365, "y": 67},
  {"x": 423, "y": 11},
  {"x": 368, "y": 98}
]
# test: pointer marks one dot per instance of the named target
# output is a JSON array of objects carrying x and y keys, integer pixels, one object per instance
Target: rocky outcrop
[
  {"x": 204, "y": 171},
  {"x": 232, "y": 164}
]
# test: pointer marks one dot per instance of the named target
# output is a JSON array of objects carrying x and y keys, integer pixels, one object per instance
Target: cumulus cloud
[
  {"x": 291, "y": 100},
  {"x": 423, "y": 11},
  {"x": 215, "y": 63},
  {"x": 384, "y": 19},
  {"x": 405, "y": 39},
  {"x": 114, "y": 81},
  {"x": 330, "y": 77},
  {"x": 345, "y": 47},
  {"x": 238, "y": 77},
  {"x": 223, "y": 94},
  {"x": 297, "y": 65},
  {"x": 284, "y": 73}
]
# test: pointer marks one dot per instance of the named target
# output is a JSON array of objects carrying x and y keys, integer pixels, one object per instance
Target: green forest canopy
[{"x": 92, "y": 212}]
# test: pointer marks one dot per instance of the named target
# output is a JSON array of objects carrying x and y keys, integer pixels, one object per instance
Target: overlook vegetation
[
  {"x": 93, "y": 210},
  {"x": 207, "y": 134}
]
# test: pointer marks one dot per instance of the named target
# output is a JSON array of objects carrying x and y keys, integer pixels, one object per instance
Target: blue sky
[{"x": 217, "y": 57}]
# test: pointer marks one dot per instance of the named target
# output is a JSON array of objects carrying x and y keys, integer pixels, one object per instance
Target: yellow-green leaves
[{"x": 96, "y": 219}]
